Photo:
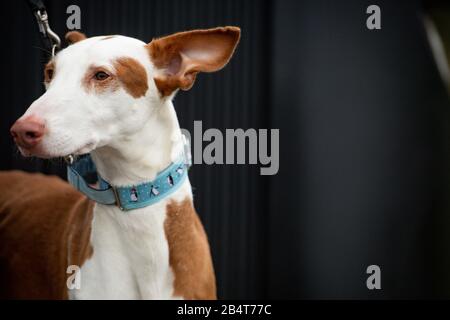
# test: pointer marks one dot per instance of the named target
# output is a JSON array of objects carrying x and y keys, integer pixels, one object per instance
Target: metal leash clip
[
  {"x": 69, "y": 159},
  {"x": 44, "y": 27}
]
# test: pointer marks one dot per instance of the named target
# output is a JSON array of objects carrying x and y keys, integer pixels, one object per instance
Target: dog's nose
[{"x": 28, "y": 132}]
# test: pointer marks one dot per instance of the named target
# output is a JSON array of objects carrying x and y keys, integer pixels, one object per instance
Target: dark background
[{"x": 363, "y": 119}]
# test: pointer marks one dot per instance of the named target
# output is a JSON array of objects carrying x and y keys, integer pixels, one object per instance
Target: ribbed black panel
[
  {"x": 226, "y": 197},
  {"x": 363, "y": 119}
]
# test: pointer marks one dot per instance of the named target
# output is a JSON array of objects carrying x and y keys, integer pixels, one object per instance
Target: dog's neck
[
  {"x": 135, "y": 245},
  {"x": 139, "y": 157}
]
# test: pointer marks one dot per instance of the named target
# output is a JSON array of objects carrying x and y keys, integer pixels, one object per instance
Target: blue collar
[{"x": 130, "y": 197}]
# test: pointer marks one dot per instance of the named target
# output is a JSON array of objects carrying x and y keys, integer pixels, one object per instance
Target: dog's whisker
[{"x": 42, "y": 49}]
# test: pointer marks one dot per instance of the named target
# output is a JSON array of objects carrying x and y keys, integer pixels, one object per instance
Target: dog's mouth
[
  {"x": 41, "y": 152},
  {"x": 85, "y": 149}
]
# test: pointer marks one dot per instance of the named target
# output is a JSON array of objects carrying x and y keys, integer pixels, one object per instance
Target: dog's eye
[{"x": 100, "y": 76}]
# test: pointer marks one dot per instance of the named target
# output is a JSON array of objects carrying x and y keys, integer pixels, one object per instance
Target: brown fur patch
[
  {"x": 41, "y": 219},
  {"x": 182, "y": 55},
  {"x": 189, "y": 253},
  {"x": 132, "y": 75},
  {"x": 74, "y": 36},
  {"x": 107, "y": 37},
  {"x": 128, "y": 72},
  {"x": 49, "y": 72}
]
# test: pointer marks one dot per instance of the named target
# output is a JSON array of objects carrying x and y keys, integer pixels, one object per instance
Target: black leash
[{"x": 50, "y": 40}]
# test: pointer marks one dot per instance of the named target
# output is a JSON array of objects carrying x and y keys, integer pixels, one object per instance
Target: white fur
[
  {"x": 130, "y": 140},
  {"x": 131, "y": 255}
]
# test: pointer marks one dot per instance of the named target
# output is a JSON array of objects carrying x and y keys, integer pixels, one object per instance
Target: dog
[{"x": 110, "y": 97}]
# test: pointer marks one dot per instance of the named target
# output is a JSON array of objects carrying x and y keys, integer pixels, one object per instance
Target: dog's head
[{"x": 104, "y": 89}]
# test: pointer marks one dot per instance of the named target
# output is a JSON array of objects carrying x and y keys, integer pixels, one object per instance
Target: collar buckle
[{"x": 117, "y": 197}]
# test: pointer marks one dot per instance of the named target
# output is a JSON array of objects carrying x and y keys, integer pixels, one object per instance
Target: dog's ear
[
  {"x": 179, "y": 57},
  {"x": 74, "y": 36}
]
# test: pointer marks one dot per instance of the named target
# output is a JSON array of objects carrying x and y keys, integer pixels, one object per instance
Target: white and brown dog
[{"x": 109, "y": 96}]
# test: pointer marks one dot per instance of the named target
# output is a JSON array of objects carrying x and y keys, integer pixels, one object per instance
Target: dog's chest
[{"x": 130, "y": 256}]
